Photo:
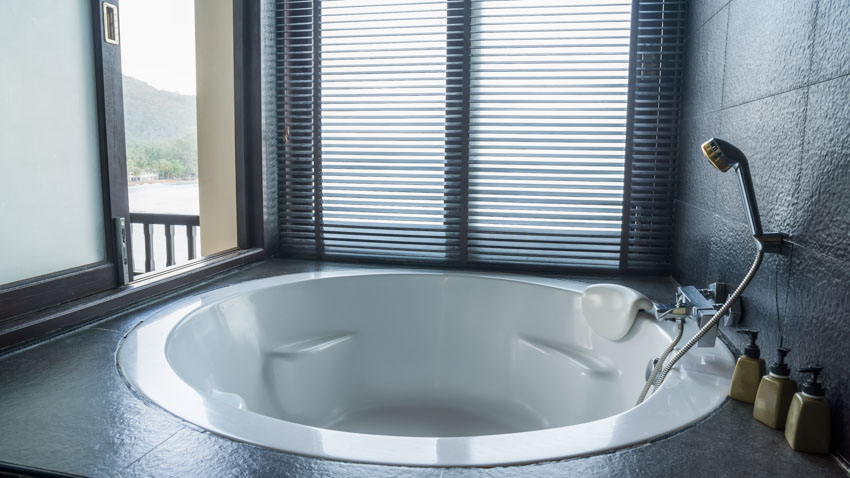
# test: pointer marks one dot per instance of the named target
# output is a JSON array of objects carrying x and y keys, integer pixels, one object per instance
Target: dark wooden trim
[
  {"x": 45, "y": 291},
  {"x": 247, "y": 44},
  {"x": 157, "y": 218},
  {"x": 190, "y": 242},
  {"x": 19, "y": 331},
  {"x": 110, "y": 95},
  {"x": 169, "y": 245},
  {"x": 150, "y": 263}
]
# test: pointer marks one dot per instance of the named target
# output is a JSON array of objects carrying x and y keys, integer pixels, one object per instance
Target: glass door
[{"x": 61, "y": 193}]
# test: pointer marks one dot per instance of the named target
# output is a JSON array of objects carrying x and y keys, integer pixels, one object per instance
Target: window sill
[{"x": 23, "y": 330}]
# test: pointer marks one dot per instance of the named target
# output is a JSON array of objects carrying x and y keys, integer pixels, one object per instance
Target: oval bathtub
[{"x": 414, "y": 368}]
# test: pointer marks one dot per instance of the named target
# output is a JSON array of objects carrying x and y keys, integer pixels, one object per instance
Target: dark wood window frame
[{"x": 35, "y": 308}]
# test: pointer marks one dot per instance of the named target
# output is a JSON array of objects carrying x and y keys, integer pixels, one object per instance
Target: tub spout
[
  {"x": 701, "y": 305},
  {"x": 669, "y": 311}
]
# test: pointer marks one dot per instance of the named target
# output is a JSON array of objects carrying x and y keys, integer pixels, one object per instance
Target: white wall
[
  {"x": 50, "y": 191},
  {"x": 216, "y": 124}
]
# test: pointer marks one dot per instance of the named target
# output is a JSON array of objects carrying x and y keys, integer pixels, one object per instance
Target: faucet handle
[{"x": 669, "y": 311}]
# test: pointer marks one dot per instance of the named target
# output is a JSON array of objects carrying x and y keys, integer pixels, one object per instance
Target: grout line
[
  {"x": 154, "y": 448},
  {"x": 695, "y": 29},
  {"x": 814, "y": 35},
  {"x": 809, "y": 247},
  {"x": 728, "y": 8},
  {"x": 806, "y": 86}
]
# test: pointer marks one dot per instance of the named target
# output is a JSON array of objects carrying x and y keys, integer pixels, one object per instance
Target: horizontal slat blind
[
  {"x": 299, "y": 185},
  {"x": 548, "y": 130},
  {"x": 384, "y": 124},
  {"x": 485, "y": 132},
  {"x": 654, "y": 134}
]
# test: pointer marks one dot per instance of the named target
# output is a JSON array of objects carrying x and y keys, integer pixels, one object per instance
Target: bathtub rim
[{"x": 652, "y": 420}]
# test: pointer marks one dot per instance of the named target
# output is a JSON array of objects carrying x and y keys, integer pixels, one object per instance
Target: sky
[{"x": 158, "y": 43}]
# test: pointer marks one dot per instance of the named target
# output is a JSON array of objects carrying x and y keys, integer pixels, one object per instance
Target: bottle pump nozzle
[
  {"x": 812, "y": 387},
  {"x": 752, "y": 350},
  {"x": 780, "y": 368}
]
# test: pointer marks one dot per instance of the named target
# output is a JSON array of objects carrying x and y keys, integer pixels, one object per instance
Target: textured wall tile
[
  {"x": 700, "y": 11},
  {"x": 691, "y": 244},
  {"x": 769, "y": 48},
  {"x": 825, "y": 180},
  {"x": 773, "y": 149},
  {"x": 703, "y": 76},
  {"x": 802, "y": 190},
  {"x": 696, "y": 183},
  {"x": 733, "y": 252},
  {"x": 817, "y": 330},
  {"x": 799, "y": 294},
  {"x": 832, "y": 40}
]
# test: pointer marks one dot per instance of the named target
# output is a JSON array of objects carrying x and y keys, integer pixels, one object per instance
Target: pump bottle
[
  {"x": 775, "y": 392},
  {"x": 748, "y": 371},
  {"x": 807, "y": 426}
]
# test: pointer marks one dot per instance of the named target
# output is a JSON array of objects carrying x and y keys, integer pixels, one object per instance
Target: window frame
[
  {"x": 37, "y": 307},
  {"x": 653, "y": 98}
]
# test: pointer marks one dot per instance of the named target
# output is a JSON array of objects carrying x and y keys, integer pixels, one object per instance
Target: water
[
  {"x": 165, "y": 198},
  {"x": 180, "y": 197}
]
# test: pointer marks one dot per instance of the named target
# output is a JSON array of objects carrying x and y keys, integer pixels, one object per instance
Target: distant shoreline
[
  {"x": 165, "y": 181},
  {"x": 166, "y": 196}
]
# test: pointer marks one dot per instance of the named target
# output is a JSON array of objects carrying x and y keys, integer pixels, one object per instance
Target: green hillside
[
  {"x": 160, "y": 130},
  {"x": 156, "y": 115}
]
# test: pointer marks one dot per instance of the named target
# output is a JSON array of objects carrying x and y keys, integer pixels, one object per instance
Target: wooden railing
[{"x": 149, "y": 220}]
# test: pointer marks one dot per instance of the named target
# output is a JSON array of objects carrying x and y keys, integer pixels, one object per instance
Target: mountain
[{"x": 156, "y": 116}]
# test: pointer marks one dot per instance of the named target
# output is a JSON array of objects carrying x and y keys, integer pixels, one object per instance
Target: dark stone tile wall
[{"x": 771, "y": 76}]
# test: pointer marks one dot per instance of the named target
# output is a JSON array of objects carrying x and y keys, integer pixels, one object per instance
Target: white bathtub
[{"x": 414, "y": 368}]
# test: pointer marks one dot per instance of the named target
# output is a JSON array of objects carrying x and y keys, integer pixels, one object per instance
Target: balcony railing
[{"x": 169, "y": 221}]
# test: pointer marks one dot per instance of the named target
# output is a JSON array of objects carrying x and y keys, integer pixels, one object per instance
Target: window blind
[{"x": 504, "y": 133}]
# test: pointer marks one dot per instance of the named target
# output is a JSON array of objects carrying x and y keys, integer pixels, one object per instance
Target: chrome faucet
[{"x": 700, "y": 305}]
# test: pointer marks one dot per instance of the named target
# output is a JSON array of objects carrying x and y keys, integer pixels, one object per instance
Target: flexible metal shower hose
[
  {"x": 704, "y": 330},
  {"x": 680, "y": 329}
]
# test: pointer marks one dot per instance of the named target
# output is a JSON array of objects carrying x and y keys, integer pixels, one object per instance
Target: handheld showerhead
[{"x": 723, "y": 156}]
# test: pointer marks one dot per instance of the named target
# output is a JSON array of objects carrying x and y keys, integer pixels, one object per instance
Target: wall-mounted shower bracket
[{"x": 771, "y": 241}]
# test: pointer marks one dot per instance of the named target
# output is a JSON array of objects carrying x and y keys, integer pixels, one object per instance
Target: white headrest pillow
[{"x": 611, "y": 309}]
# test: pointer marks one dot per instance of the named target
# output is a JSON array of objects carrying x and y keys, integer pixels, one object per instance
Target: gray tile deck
[{"x": 64, "y": 407}]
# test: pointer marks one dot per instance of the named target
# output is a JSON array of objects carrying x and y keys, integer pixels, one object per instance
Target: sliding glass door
[{"x": 61, "y": 161}]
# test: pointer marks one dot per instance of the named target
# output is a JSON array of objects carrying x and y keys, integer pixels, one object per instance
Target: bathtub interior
[{"x": 428, "y": 355}]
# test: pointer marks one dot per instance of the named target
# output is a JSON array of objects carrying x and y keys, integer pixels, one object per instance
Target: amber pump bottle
[
  {"x": 807, "y": 426},
  {"x": 748, "y": 371},
  {"x": 775, "y": 392}
]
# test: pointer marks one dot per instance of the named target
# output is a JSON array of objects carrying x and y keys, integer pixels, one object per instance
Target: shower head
[{"x": 723, "y": 156}]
